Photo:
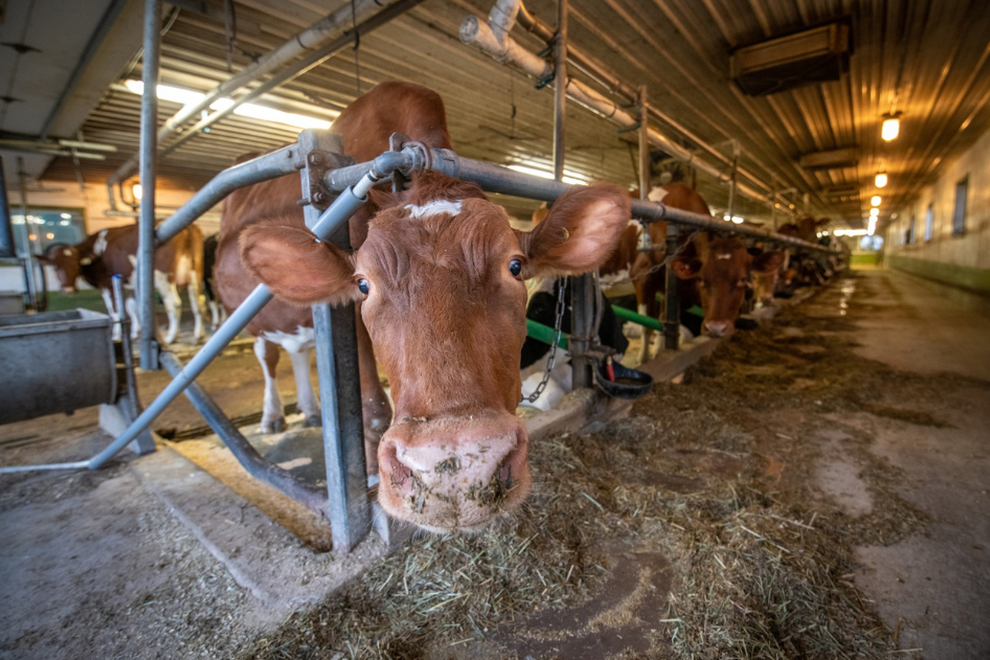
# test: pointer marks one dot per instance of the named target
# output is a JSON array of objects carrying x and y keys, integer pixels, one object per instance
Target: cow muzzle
[
  {"x": 68, "y": 289},
  {"x": 455, "y": 473},
  {"x": 719, "y": 328}
]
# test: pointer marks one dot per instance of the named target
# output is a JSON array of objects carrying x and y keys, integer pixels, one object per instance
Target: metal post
[
  {"x": 644, "y": 144},
  {"x": 582, "y": 286},
  {"x": 30, "y": 282},
  {"x": 149, "y": 146},
  {"x": 340, "y": 387},
  {"x": 773, "y": 201},
  {"x": 736, "y": 150},
  {"x": 671, "y": 304},
  {"x": 7, "y": 248}
]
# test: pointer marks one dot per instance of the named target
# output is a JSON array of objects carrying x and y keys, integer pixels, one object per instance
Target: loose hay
[{"x": 715, "y": 474}]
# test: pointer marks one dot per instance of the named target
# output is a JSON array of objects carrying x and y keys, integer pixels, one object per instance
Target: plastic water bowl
[{"x": 628, "y": 383}]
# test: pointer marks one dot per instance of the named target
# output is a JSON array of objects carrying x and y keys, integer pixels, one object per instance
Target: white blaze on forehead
[
  {"x": 723, "y": 255},
  {"x": 67, "y": 252},
  {"x": 435, "y": 207},
  {"x": 100, "y": 246}
]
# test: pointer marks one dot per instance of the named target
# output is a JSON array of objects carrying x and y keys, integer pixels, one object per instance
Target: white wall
[{"x": 971, "y": 249}]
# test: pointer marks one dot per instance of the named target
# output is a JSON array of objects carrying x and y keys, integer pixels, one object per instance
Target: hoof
[
  {"x": 274, "y": 426},
  {"x": 313, "y": 421}
]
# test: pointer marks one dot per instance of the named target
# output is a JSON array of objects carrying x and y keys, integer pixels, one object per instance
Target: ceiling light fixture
[
  {"x": 881, "y": 179},
  {"x": 874, "y": 212},
  {"x": 891, "y": 126},
  {"x": 875, "y": 200},
  {"x": 252, "y": 110}
]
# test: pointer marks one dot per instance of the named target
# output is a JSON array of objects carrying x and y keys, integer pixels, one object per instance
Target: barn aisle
[{"x": 934, "y": 589}]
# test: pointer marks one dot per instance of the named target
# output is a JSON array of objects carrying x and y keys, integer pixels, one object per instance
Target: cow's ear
[
  {"x": 297, "y": 267},
  {"x": 769, "y": 262},
  {"x": 579, "y": 233},
  {"x": 686, "y": 268}
]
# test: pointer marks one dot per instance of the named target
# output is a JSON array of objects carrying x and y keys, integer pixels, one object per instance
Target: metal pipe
[
  {"x": 671, "y": 302},
  {"x": 7, "y": 247},
  {"x": 733, "y": 178},
  {"x": 300, "y": 68},
  {"x": 340, "y": 210},
  {"x": 310, "y": 496},
  {"x": 644, "y": 144},
  {"x": 30, "y": 281},
  {"x": 475, "y": 33},
  {"x": 327, "y": 28},
  {"x": 498, "y": 179},
  {"x": 268, "y": 166},
  {"x": 149, "y": 145}
]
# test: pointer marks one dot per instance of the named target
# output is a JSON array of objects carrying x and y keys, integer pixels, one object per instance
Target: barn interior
[{"x": 812, "y": 486}]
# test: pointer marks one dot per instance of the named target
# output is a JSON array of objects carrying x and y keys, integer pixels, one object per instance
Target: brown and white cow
[
  {"x": 438, "y": 274},
  {"x": 177, "y": 264}
]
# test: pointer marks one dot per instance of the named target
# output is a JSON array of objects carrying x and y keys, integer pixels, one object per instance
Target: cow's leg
[
  {"x": 272, "y": 420},
  {"x": 196, "y": 297},
  {"x": 114, "y": 316},
  {"x": 375, "y": 406},
  {"x": 170, "y": 298},
  {"x": 214, "y": 314},
  {"x": 130, "y": 304},
  {"x": 306, "y": 399}
]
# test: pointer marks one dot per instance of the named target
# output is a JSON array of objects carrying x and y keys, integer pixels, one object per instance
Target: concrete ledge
[
  {"x": 964, "y": 277},
  {"x": 272, "y": 565}
]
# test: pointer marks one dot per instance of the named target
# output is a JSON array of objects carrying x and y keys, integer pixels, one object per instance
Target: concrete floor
[{"x": 932, "y": 589}]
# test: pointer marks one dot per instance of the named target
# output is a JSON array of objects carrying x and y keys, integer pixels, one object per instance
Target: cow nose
[
  {"x": 453, "y": 473},
  {"x": 68, "y": 289},
  {"x": 719, "y": 328}
]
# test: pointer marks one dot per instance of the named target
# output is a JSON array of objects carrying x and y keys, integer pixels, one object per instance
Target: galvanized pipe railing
[
  {"x": 498, "y": 179},
  {"x": 286, "y": 160},
  {"x": 146, "y": 224}
]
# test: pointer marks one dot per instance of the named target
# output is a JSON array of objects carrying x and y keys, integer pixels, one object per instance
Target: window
[
  {"x": 959, "y": 211},
  {"x": 910, "y": 231},
  {"x": 929, "y": 222},
  {"x": 46, "y": 227}
]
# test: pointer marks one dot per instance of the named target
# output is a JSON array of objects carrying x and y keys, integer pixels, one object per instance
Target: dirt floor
[{"x": 810, "y": 491}]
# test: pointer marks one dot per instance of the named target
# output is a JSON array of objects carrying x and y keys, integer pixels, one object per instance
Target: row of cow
[{"x": 439, "y": 278}]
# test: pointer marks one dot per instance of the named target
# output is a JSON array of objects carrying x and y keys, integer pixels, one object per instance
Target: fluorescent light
[
  {"x": 850, "y": 232},
  {"x": 66, "y": 216},
  {"x": 875, "y": 200},
  {"x": 570, "y": 178},
  {"x": 891, "y": 127},
  {"x": 880, "y": 180},
  {"x": 137, "y": 191},
  {"x": 252, "y": 110},
  {"x": 874, "y": 212}
]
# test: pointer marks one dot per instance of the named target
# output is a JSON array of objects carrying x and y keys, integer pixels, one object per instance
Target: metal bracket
[{"x": 318, "y": 163}]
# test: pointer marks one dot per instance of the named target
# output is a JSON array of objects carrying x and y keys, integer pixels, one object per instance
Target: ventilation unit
[{"x": 804, "y": 58}]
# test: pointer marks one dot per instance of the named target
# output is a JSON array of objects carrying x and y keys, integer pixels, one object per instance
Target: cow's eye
[
  {"x": 515, "y": 267},
  {"x": 364, "y": 286}
]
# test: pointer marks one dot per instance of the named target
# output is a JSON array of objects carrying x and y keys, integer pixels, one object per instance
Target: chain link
[{"x": 552, "y": 358}]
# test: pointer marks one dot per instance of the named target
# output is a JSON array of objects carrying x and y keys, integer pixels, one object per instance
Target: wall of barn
[
  {"x": 958, "y": 259},
  {"x": 93, "y": 202}
]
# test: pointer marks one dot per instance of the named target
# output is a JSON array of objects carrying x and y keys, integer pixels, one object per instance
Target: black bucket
[{"x": 628, "y": 383}]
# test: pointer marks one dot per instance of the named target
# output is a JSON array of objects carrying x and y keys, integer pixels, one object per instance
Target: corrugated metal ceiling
[{"x": 926, "y": 58}]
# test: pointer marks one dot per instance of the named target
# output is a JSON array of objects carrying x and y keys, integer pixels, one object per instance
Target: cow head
[
  {"x": 440, "y": 281},
  {"x": 765, "y": 272},
  {"x": 722, "y": 274},
  {"x": 68, "y": 264}
]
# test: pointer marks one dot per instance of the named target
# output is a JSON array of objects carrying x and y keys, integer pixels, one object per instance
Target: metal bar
[
  {"x": 144, "y": 441},
  {"x": 7, "y": 247},
  {"x": 341, "y": 209},
  {"x": 644, "y": 144},
  {"x": 329, "y": 27},
  {"x": 337, "y": 366},
  {"x": 269, "y": 166},
  {"x": 300, "y": 68},
  {"x": 733, "y": 177},
  {"x": 545, "y": 333},
  {"x": 30, "y": 279},
  {"x": 310, "y": 496},
  {"x": 671, "y": 301},
  {"x": 498, "y": 179},
  {"x": 149, "y": 144}
]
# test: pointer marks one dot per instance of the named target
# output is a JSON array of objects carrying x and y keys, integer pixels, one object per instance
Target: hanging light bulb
[
  {"x": 875, "y": 200},
  {"x": 874, "y": 212},
  {"x": 891, "y": 126},
  {"x": 881, "y": 179}
]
